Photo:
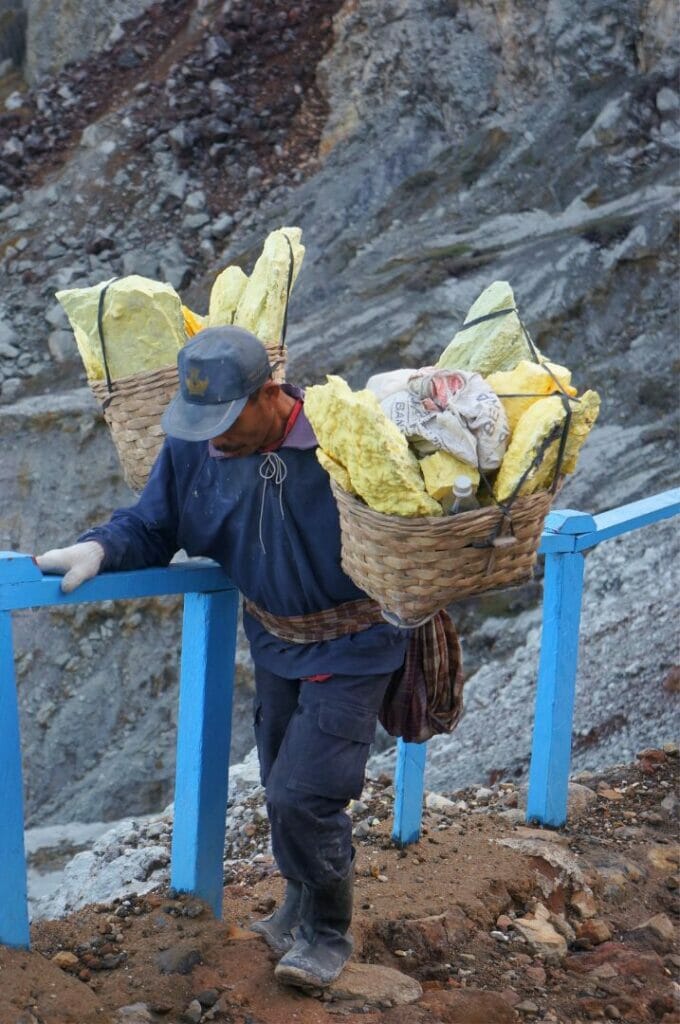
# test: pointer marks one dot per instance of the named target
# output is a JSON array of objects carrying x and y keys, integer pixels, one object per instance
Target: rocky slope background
[{"x": 426, "y": 148}]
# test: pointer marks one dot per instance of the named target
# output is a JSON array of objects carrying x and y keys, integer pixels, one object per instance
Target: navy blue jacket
[{"x": 278, "y": 542}]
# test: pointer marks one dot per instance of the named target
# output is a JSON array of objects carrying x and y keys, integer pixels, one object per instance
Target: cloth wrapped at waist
[{"x": 425, "y": 695}]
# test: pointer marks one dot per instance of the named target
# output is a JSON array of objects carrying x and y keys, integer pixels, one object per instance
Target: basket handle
[
  {"x": 100, "y": 329},
  {"x": 291, "y": 267}
]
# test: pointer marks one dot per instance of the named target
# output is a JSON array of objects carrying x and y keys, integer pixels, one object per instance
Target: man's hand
[{"x": 78, "y": 563}]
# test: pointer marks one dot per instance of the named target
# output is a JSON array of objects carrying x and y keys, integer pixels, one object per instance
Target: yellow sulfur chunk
[
  {"x": 530, "y": 379},
  {"x": 224, "y": 296},
  {"x": 541, "y": 422},
  {"x": 281, "y": 249},
  {"x": 262, "y": 305},
  {"x": 336, "y": 470},
  {"x": 440, "y": 470},
  {"x": 497, "y": 344},
  {"x": 142, "y": 322},
  {"x": 193, "y": 323},
  {"x": 353, "y": 430}
]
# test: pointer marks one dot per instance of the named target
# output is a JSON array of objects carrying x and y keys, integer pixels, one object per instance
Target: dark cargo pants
[{"x": 313, "y": 740}]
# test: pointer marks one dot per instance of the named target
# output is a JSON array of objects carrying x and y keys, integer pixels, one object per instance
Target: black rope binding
[
  {"x": 291, "y": 267},
  {"x": 100, "y": 329}
]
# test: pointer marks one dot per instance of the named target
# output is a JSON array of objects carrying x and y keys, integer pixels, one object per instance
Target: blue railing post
[
  {"x": 551, "y": 748},
  {"x": 203, "y": 735},
  {"x": 409, "y": 782},
  {"x": 13, "y": 898}
]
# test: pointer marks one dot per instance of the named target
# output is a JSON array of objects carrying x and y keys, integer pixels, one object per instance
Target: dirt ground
[{"x": 452, "y": 911}]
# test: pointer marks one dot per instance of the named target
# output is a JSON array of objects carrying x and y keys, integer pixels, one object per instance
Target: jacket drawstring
[{"x": 273, "y": 468}]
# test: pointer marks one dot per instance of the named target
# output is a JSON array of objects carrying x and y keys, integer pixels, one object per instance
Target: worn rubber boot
[
  {"x": 322, "y": 945},
  {"x": 277, "y": 929}
]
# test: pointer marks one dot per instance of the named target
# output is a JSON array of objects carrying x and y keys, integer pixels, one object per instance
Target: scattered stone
[
  {"x": 437, "y": 936},
  {"x": 658, "y": 932},
  {"x": 194, "y": 221},
  {"x": 7, "y": 350},
  {"x": 62, "y": 346},
  {"x": 468, "y": 1006},
  {"x": 195, "y": 202},
  {"x": 663, "y": 858},
  {"x": 67, "y": 961},
  {"x": 437, "y": 802},
  {"x": 193, "y": 1012},
  {"x": 222, "y": 226},
  {"x": 375, "y": 985},
  {"x": 583, "y": 902},
  {"x": 179, "y": 959},
  {"x": 139, "y": 262},
  {"x": 208, "y": 997},
  {"x": 579, "y": 799},
  {"x": 527, "y": 1007},
  {"x": 650, "y": 759},
  {"x": 667, "y": 100},
  {"x": 593, "y": 932},
  {"x": 607, "y": 793},
  {"x": 553, "y": 852},
  {"x": 536, "y": 974},
  {"x": 541, "y": 935},
  {"x": 135, "y": 1013}
]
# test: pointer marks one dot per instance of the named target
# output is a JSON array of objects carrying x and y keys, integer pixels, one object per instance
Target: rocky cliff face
[
  {"x": 59, "y": 32},
  {"x": 426, "y": 148}
]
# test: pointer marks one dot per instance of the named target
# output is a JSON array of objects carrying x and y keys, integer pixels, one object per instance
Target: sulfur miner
[{"x": 238, "y": 480}]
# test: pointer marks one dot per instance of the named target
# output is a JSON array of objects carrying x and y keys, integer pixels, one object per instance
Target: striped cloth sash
[
  {"x": 425, "y": 695},
  {"x": 330, "y": 624}
]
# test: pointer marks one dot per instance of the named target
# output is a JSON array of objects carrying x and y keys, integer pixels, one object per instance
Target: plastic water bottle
[{"x": 463, "y": 498}]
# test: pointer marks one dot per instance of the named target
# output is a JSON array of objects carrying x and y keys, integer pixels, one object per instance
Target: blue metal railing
[
  {"x": 206, "y": 689},
  {"x": 203, "y": 731},
  {"x": 566, "y": 537}
]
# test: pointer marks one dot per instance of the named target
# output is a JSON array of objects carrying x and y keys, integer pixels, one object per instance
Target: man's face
[{"x": 252, "y": 429}]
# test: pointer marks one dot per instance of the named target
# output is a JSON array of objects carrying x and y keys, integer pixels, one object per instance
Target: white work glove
[{"x": 78, "y": 563}]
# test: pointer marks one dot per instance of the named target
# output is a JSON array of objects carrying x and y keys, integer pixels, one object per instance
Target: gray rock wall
[
  {"x": 462, "y": 143},
  {"x": 59, "y": 31},
  {"x": 12, "y": 32}
]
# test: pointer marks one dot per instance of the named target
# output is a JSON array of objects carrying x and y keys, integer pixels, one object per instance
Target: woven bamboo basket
[
  {"x": 414, "y": 567},
  {"x": 133, "y": 408}
]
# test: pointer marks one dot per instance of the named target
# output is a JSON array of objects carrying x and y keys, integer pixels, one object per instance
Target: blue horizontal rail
[
  {"x": 203, "y": 731},
  {"x": 567, "y": 535},
  {"x": 22, "y": 585},
  {"x": 585, "y": 532}
]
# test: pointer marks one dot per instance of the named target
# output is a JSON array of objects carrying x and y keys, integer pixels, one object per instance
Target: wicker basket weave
[
  {"x": 413, "y": 567},
  {"x": 133, "y": 408}
]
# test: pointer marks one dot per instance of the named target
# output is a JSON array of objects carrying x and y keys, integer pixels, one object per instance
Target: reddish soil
[{"x": 427, "y": 910}]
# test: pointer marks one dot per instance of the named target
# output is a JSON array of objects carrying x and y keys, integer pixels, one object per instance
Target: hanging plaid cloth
[{"x": 425, "y": 696}]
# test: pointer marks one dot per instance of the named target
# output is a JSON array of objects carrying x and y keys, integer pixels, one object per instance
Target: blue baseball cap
[{"x": 219, "y": 369}]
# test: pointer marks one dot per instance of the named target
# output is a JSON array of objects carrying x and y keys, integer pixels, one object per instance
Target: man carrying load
[{"x": 237, "y": 480}]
